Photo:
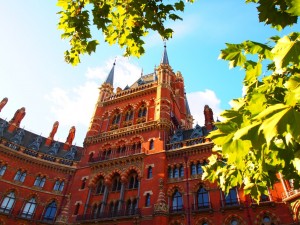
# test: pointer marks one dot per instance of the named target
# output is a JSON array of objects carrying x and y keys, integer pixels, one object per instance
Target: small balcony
[
  {"x": 202, "y": 207},
  {"x": 233, "y": 203},
  {"x": 110, "y": 215},
  {"x": 176, "y": 209}
]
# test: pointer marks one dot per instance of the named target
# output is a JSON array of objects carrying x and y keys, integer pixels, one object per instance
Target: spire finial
[
  {"x": 165, "y": 59},
  {"x": 110, "y": 77}
]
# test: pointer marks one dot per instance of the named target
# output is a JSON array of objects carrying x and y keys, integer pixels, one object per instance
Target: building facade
[{"x": 141, "y": 163}]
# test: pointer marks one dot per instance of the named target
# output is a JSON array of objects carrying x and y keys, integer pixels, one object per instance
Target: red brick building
[{"x": 141, "y": 164}]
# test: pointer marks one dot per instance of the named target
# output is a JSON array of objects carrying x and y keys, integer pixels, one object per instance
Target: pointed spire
[
  {"x": 165, "y": 59},
  {"x": 154, "y": 74},
  {"x": 188, "y": 111},
  {"x": 110, "y": 77}
]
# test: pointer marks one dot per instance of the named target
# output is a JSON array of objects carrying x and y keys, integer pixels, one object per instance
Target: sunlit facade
[{"x": 141, "y": 163}]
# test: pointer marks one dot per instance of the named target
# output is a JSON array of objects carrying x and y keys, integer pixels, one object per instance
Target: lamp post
[{"x": 187, "y": 190}]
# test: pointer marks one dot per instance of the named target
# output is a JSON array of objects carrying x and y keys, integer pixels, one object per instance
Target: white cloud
[
  {"x": 197, "y": 101},
  {"x": 75, "y": 107},
  {"x": 126, "y": 72}
]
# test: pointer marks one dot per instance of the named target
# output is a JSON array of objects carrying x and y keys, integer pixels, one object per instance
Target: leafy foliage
[
  {"x": 122, "y": 22},
  {"x": 260, "y": 136}
]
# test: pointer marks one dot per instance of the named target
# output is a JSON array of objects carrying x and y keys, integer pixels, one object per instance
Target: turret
[
  {"x": 16, "y": 120},
  {"x": 3, "y": 103},
  {"x": 209, "y": 117},
  {"x": 106, "y": 90}
]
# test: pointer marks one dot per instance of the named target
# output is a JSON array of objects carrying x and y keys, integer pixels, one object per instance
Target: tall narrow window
[
  {"x": 59, "y": 186},
  {"x": 142, "y": 111},
  {"x": 2, "y": 169},
  {"x": 133, "y": 181},
  {"x": 193, "y": 169},
  {"x": 181, "y": 171},
  {"x": 39, "y": 181},
  {"x": 83, "y": 183},
  {"x": 151, "y": 144},
  {"x": 149, "y": 173},
  {"x": 177, "y": 204},
  {"x": 203, "y": 198},
  {"x": 147, "y": 200},
  {"x": 100, "y": 186},
  {"x": 170, "y": 172},
  {"x": 29, "y": 208},
  {"x": 231, "y": 198},
  {"x": 20, "y": 176},
  {"x": 199, "y": 168},
  {"x": 116, "y": 186},
  {"x": 91, "y": 155},
  {"x": 76, "y": 209},
  {"x": 8, "y": 202},
  {"x": 50, "y": 211},
  {"x": 176, "y": 172}
]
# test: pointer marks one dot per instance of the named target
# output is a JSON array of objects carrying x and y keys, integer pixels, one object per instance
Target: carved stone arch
[
  {"x": 106, "y": 146},
  {"x": 16, "y": 191},
  {"x": 202, "y": 220},
  {"x": 260, "y": 216},
  {"x": 197, "y": 185},
  {"x": 105, "y": 115},
  {"x": 234, "y": 216},
  {"x": 113, "y": 173},
  {"x": 94, "y": 180},
  {"x": 121, "y": 142},
  {"x": 128, "y": 106},
  {"x": 296, "y": 210},
  {"x": 35, "y": 195},
  {"x": 133, "y": 168},
  {"x": 172, "y": 189},
  {"x": 142, "y": 102},
  {"x": 136, "y": 138},
  {"x": 117, "y": 110},
  {"x": 51, "y": 199}
]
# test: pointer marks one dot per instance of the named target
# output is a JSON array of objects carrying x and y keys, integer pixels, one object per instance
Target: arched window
[
  {"x": 39, "y": 181},
  {"x": 193, "y": 169},
  {"x": 116, "y": 184},
  {"x": 50, "y": 211},
  {"x": 142, "y": 111},
  {"x": 129, "y": 115},
  {"x": 91, "y": 155},
  {"x": 234, "y": 222},
  {"x": 29, "y": 208},
  {"x": 149, "y": 173},
  {"x": 151, "y": 144},
  {"x": 199, "y": 168},
  {"x": 133, "y": 181},
  {"x": 8, "y": 202},
  {"x": 131, "y": 206},
  {"x": 181, "y": 171},
  {"x": 83, "y": 183},
  {"x": 202, "y": 198},
  {"x": 116, "y": 118},
  {"x": 2, "y": 169},
  {"x": 267, "y": 220},
  {"x": 59, "y": 185},
  {"x": 20, "y": 176},
  {"x": 77, "y": 209},
  {"x": 176, "y": 172},
  {"x": 147, "y": 200},
  {"x": 204, "y": 223},
  {"x": 170, "y": 172},
  {"x": 100, "y": 186},
  {"x": 231, "y": 198},
  {"x": 177, "y": 203}
]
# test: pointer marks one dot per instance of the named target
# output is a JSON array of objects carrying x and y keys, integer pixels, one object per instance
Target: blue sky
[{"x": 34, "y": 75}]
